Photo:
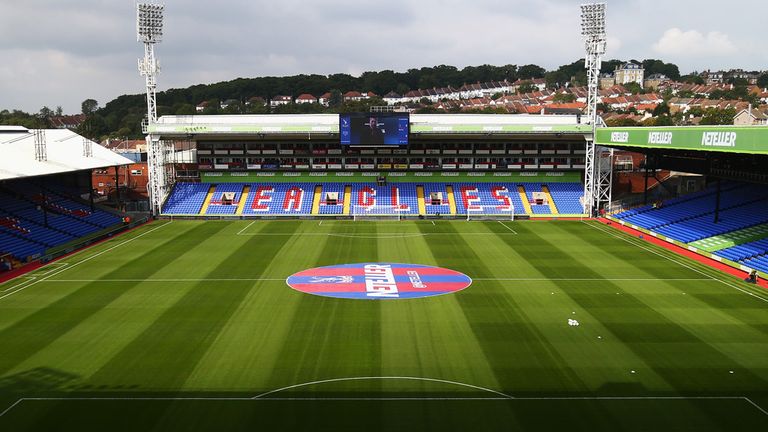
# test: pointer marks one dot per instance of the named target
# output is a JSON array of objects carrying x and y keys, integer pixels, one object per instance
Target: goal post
[
  {"x": 491, "y": 212},
  {"x": 376, "y": 212}
]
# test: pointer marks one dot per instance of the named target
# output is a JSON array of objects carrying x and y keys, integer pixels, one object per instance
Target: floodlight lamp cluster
[
  {"x": 149, "y": 22},
  {"x": 593, "y": 21}
]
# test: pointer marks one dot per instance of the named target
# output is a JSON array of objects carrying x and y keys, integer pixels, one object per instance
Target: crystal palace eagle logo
[{"x": 379, "y": 281}]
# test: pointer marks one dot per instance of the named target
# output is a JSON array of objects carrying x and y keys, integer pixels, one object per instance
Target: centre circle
[{"x": 379, "y": 281}]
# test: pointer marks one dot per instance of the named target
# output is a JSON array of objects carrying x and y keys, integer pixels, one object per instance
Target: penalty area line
[
  {"x": 246, "y": 227},
  {"x": 68, "y": 267},
  {"x": 505, "y": 226},
  {"x": 682, "y": 264}
]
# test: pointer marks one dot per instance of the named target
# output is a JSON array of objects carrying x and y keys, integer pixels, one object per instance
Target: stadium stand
[
  {"x": 220, "y": 205},
  {"x": 330, "y": 209},
  {"x": 441, "y": 190},
  {"x": 187, "y": 198},
  {"x": 279, "y": 199},
  {"x": 753, "y": 254},
  {"x": 32, "y": 222},
  {"x": 401, "y": 194},
  {"x": 567, "y": 197},
  {"x": 296, "y": 199},
  {"x": 530, "y": 189},
  {"x": 690, "y": 219},
  {"x": 487, "y": 195}
]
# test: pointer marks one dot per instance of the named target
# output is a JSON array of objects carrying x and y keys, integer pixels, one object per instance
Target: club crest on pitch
[{"x": 379, "y": 281}]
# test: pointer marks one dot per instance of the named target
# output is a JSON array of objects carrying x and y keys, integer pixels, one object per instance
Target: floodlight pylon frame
[
  {"x": 41, "y": 150},
  {"x": 149, "y": 31},
  {"x": 87, "y": 147},
  {"x": 598, "y": 173}
]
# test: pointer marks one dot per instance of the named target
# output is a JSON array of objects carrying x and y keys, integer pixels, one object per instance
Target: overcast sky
[{"x": 60, "y": 52}]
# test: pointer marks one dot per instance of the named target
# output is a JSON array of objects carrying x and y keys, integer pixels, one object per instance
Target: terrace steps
[
  {"x": 524, "y": 199},
  {"x": 316, "y": 199},
  {"x": 451, "y": 200},
  {"x": 243, "y": 199},
  {"x": 347, "y": 199},
  {"x": 208, "y": 199},
  {"x": 552, "y": 206},
  {"x": 420, "y": 198}
]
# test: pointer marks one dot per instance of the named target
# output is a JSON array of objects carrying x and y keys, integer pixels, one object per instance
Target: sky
[{"x": 61, "y": 52}]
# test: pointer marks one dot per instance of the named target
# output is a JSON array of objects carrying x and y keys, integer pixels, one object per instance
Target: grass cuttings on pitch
[{"x": 178, "y": 326}]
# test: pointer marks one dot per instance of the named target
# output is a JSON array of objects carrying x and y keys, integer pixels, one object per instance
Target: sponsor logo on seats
[{"x": 379, "y": 281}]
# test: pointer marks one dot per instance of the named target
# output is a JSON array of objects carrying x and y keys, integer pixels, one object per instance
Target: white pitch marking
[
  {"x": 592, "y": 279},
  {"x": 29, "y": 279},
  {"x": 246, "y": 227},
  {"x": 11, "y": 407},
  {"x": 505, "y": 226},
  {"x": 169, "y": 280},
  {"x": 47, "y": 266},
  {"x": 58, "y": 271},
  {"x": 287, "y": 399},
  {"x": 361, "y": 234},
  {"x": 283, "y": 279},
  {"x": 433, "y": 223},
  {"x": 678, "y": 262},
  {"x": 505, "y": 396},
  {"x": 756, "y": 405}
]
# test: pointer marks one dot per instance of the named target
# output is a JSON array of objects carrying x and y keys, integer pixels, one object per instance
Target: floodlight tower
[
  {"x": 598, "y": 170},
  {"x": 149, "y": 30}
]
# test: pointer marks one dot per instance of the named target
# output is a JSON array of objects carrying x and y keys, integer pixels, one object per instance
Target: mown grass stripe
[
  {"x": 629, "y": 319},
  {"x": 495, "y": 317},
  {"x": 166, "y": 352},
  {"x": 328, "y": 332},
  {"x": 38, "y": 330}
]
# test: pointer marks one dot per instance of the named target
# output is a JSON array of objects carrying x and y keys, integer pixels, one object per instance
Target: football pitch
[{"x": 567, "y": 325}]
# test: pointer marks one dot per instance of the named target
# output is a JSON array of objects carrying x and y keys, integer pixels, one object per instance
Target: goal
[
  {"x": 376, "y": 212},
  {"x": 491, "y": 212}
]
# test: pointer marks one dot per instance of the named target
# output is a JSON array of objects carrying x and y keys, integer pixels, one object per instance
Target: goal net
[
  {"x": 376, "y": 212},
  {"x": 490, "y": 212}
]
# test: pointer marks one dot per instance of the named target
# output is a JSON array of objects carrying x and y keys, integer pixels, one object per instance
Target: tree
[
  {"x": 45, "y": 113},
  {"x": 184, "y": 109},
  {"x": 89, "y": 106},
  {"x": 336, "y": 99},
  {"x": 530, "y": 71},
  {"x": 633, "y": 88},
  {"x": 664, "y": 120},
  {"x": 564, "y": 97},
  {"x": 653, "y": 66},
  {"x": 718, "y": 116},
  {"x": 762, "y": 80},
  {"x": 620, "y": 122},
  {"x": 59, "y": 111},
  {"x": 526, "y": 87},
  {"x": 692, "y": 79},
  {"x": 661, "y": 109}
]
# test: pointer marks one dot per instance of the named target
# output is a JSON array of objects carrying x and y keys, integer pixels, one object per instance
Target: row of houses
[
  {"x": 434, "y": 95},
  {"x": 720, "y": 77}
]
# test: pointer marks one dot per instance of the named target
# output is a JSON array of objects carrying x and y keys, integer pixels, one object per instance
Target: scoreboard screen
[{"x": 374, "y": 129}]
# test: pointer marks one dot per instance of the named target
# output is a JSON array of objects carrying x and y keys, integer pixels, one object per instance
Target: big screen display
[{"x": 374, "y": 129}]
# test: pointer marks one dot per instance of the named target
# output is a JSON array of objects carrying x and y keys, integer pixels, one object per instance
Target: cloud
[
  {"x": 694, "y": 43},
  {"x": 62, "y": 52}
]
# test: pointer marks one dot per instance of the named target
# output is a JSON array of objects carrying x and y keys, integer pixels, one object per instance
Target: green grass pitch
[{"x": 189, "y": 325}]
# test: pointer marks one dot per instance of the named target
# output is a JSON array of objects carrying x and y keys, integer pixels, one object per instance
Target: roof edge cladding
[
  {"x": 437, "y": 124},
  {"x": 728, "y": 139},
  {"x": 64, "y": 150}
]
